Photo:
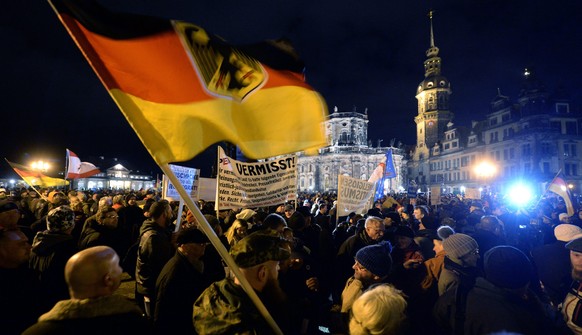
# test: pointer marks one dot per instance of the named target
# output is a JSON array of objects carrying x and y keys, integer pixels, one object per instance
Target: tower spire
[
  {"x": 433, "y": 51},
  {"x": 430, "y": 12}
]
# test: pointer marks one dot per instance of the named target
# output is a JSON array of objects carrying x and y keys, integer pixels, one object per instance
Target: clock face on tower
[{"x": 430, "y": 123}]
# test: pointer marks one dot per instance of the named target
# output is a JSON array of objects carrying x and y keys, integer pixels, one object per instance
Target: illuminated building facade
[
  {"x": 530, "y": 138},
  {"x": 348, "y": 152}
]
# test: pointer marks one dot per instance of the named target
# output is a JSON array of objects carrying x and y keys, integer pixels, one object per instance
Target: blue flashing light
[{"x": 520, "y": 194}]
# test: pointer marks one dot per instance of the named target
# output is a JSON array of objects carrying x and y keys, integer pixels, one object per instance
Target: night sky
[{"x": 358, "y": 54}]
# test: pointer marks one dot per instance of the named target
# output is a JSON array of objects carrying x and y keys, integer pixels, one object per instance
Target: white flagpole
[{"x": 205, "y": 226}]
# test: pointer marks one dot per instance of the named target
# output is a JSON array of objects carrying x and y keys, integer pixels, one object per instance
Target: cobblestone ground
[{"x": 127, "y": 287}]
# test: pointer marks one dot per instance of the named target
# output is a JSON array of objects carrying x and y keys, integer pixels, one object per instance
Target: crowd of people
[{"x": 465, "y": 266}]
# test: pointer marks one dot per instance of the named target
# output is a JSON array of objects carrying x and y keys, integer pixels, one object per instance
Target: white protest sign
[
  {"x": 207, "y": 189},
  {"x": 244, "y": 185},
  {"x": 188, "y": 178},
  {"x": 353, "y": 195},
  {"x": 472, "y": 193}
]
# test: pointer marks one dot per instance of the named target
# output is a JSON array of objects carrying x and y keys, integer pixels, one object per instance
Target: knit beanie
[
  {"x": 60, "y": 219},
  {"x": 566, "y": 232},
  {"x": 458, "y": 245},
  {"x": 376, "y": 258},
  {"x": 507, "y": 267}
]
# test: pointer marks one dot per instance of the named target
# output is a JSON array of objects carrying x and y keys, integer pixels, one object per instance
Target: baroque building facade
[
  {"x": 530, "y": 138},
  {"x": 348, "y": 152}
]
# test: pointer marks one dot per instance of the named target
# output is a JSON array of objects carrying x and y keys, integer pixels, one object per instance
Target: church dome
[{"x": 434, "y": 81}]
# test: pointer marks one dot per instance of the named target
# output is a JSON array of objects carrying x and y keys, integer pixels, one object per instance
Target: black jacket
[
  {"x": 49, "y": 255},
  {"x": 177, "y": 288},
  {"x": 155, "y": 249}
]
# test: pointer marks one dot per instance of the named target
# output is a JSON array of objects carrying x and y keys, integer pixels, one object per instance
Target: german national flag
[
  {"x": 35, "y": 178},
  {"x": 182, "y": 89}
]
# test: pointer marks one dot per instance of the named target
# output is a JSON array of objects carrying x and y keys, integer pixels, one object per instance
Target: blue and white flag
[{"x": 390, "y": 171}]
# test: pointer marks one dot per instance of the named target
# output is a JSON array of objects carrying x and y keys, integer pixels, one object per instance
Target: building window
[
  {"x": 505, "y": 117},
  {"x": 570, "y": 149},
  {"x": 571, "y": 128},
  {"x": 570, "y": 169},
  {"x": 562, "y": 108},
  {"x": 493, "y": 137},
  {"x": 493, "y": 121},
  {"x": 447, "y": 146}
]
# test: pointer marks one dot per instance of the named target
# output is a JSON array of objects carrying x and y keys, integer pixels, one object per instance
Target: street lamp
[
  {"x": 40, "y": 165},
  {"x": 485, "y": 171}
]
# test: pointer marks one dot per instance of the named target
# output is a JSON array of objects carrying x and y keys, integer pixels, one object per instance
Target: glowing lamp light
[
  {"x": 463, "y": 189},
  {"x": 485, "y": 170},
  {"x": 520, "y": 194},
  {"x": 40, "y": 165}
]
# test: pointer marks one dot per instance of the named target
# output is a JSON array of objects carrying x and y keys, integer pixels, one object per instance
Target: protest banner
[
  {"x": 472, "y": 193},
  {"x": 258, "y": 184},
  {"x": 353, "y": 195},
  {"x": 188, "y": 177}
]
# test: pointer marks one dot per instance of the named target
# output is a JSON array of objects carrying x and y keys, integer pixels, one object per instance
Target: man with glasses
[
  {"x": 372, "y": 234},
  {"x": 372, "y": 264},
  {"x": 103, "y": 229}
]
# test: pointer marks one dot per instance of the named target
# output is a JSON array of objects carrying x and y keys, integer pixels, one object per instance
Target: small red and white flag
[{"x": 77, "y": 169}]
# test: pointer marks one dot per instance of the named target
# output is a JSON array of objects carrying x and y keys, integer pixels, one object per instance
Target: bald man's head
[{"x": 93, "y": 272}]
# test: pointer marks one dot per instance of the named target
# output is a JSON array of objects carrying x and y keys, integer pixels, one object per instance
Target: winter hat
[
  {"x": 566, "y": 232},
  {"x": 445, "y": 231},
  {"x": 129, "y": 197},
  {"x": 458, "y": 245},
  {"x": 376, "y": 258},
  {"x": 404, "y": 231},
  {"x": 60, "y": 219},
  {"x": 507, "y": 267},
  {"x": 575, "y": 244},
  {"x": 246, "y": 214}
]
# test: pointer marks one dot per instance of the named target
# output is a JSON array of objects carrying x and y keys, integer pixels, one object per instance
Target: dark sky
[{"x": 365, "y": 53}]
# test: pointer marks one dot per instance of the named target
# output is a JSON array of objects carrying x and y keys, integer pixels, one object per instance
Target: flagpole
[
  {"x": 205, "y": 226},
  {"x": 67, "y": 168},
  {"x": 217, "y": 182}
]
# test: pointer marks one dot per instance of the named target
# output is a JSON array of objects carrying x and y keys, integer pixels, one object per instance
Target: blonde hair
[
  {"x": 231, "y": 232},
  {"x": 379, "y": 311}
]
